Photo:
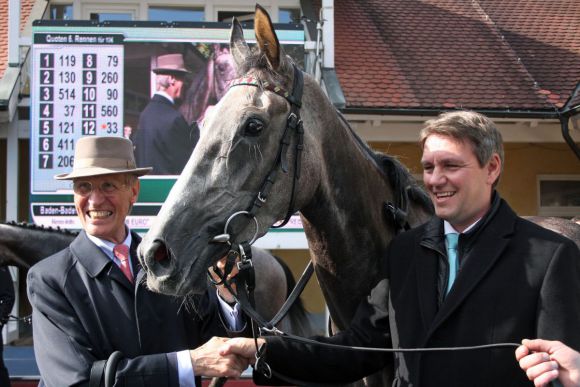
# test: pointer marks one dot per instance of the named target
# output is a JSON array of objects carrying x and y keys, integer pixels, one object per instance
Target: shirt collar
[
  {"x": 107, "y": 246},
  {"x": 449, "y": 229}
]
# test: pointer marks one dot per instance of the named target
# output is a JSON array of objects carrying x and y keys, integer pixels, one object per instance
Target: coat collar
[
  {"x": 162, "y": 99},
  {"x": 427, "y": 269},
  {"x": 95, "y": 261},
  {"x": 483, "y": 246}
]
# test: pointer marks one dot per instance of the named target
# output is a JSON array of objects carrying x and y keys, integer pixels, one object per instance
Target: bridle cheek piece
[{"x": 242, "y": 250}]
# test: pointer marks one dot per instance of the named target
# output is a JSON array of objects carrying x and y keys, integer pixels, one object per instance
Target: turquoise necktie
[{"x": 452, "y": 239}]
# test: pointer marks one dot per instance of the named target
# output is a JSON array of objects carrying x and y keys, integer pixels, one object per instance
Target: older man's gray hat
[
  {"x": 98, "y": 155},
  {"x": 170, "y": 64}
]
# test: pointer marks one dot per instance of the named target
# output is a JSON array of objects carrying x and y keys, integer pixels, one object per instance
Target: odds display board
[
  {"x": 92, "y": 79},
  {"x": 79, "y": 84}
]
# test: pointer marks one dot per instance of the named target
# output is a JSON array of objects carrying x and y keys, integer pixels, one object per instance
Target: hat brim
[
  {"x": 171, "y": 71},
  {"x": 96, "y": 171}
]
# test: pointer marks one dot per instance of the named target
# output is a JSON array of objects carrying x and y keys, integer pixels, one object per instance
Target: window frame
[
  {"x": 88, "y": 8},
  {"x": 559, "y": 211},
  {"x": 60, "y": 3},
  {"x": 176, "y": 7}
]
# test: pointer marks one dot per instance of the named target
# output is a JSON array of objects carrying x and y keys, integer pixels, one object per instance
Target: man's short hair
[
  {"x": 163, "y": 81},
  {"x": 478, "y": 130}
]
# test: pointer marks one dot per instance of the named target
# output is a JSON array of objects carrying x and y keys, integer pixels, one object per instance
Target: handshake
[{"x": 223, "y": 357}]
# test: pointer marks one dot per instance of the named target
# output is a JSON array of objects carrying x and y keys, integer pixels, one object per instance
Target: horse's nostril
[
  {"x": 160, "y": 255},
  {"x": 160, "y": 252}
]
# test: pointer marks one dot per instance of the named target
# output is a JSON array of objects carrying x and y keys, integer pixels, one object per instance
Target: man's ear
[
  {"x": 493, "y": 168},
  {"x": 135, "y": 191}
]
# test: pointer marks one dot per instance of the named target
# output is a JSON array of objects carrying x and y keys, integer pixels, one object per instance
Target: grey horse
[{"x": 24, "y": 244}]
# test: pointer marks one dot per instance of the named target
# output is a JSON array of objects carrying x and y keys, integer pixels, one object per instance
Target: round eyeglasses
[{"x": 85, "y": 188}]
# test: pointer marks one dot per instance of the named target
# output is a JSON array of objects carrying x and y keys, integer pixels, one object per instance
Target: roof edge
[
  {"x": 333, "y": 88},
  {"x": 435, "y": 111},
  {"x": 8, "y": 85}
]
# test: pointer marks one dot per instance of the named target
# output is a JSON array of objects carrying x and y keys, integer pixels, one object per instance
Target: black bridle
[
  {"x": 245, "y": 280},
  {"x": 293, "y": 125},
  {"x": 242, "y": 250}
]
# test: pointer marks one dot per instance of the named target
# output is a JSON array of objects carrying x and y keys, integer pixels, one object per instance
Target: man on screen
[{"x": 164, "y": 140}]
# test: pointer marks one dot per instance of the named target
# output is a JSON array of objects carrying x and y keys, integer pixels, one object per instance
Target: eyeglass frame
[{"x": 112, "y": 192}]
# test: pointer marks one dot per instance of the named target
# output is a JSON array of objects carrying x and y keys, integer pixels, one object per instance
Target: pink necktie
[{"x": 122, "y": 252}]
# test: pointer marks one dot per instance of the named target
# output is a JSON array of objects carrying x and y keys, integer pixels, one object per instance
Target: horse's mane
[
  {"x": 394, "y": 171},
  {"x": 32, "y": 226},
  {"x": 402, "y": 180}
]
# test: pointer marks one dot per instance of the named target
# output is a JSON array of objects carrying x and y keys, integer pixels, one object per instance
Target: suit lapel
[
  {"x": 139, "y": 274},
  {"x": 95, "y": 261},
  {"x": 489, "y": 245},
  {"x": 89, "y": 255}
]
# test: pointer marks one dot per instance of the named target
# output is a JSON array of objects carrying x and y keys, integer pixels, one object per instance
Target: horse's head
[
  {"x": 229, "y": 168},
  {"x": 224, "y": 70}
]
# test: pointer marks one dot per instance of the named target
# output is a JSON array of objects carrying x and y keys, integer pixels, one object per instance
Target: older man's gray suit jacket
[{"x": 84, "y": 309}]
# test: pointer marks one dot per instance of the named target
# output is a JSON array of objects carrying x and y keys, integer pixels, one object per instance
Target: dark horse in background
[
  {"x": 340, "y": 188},
  {"x": 209, "y": 85},
  {"x": 23, "y": 244}
]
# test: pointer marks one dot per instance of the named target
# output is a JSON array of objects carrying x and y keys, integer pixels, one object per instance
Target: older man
[
  {"x": 89, "y": 300},
  {"x": 164, "y": 140},
  {"x": 475, "y": 274}
]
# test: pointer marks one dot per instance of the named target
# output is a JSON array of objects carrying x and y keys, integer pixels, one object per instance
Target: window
[
  {"x": 242, "y": 16},
  {"x": 289, "y": 15},
  {"x": 177, "y": 14},
  {"x": 110, "y": 12},
  {"x": 285, "y": 15},
  {"x": 110, "y": 16},
  {"x": 559, "y": 195},
  {"x": 61, "y": 12}
]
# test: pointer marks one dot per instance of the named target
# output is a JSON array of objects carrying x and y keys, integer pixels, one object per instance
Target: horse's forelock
[{"x": 257, "y": 66}]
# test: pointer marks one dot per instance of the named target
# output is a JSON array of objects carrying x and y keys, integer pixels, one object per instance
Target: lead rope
[
  {"x": 261, "y": 327},
  {"x": 245, "y": 297}
]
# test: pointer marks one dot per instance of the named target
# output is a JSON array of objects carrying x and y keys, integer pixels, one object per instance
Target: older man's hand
[{"x": 208, "y": 361}]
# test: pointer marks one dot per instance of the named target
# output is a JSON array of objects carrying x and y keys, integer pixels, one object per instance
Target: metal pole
[{"x": 13, "y": 33}]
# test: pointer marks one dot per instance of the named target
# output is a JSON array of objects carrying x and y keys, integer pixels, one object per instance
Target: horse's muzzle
[{"x": 157, "y": 259}]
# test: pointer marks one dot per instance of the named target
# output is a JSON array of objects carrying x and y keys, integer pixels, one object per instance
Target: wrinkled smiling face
[
  {"x": 459, "y": 187},
  {"x": 103, "y": 213}
]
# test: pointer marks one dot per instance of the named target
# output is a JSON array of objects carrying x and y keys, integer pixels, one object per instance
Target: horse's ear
[
  {"x": 238, "y": 47},
  {"x": 266, "y": 37}
]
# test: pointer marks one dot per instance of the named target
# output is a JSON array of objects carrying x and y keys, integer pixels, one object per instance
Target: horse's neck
[
  {"x": 344, "y": 223},
  {"x": 33, "y": 244}
]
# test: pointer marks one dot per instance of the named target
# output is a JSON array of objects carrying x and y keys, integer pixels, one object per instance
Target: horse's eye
[{"x": 253, "y": 127}]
